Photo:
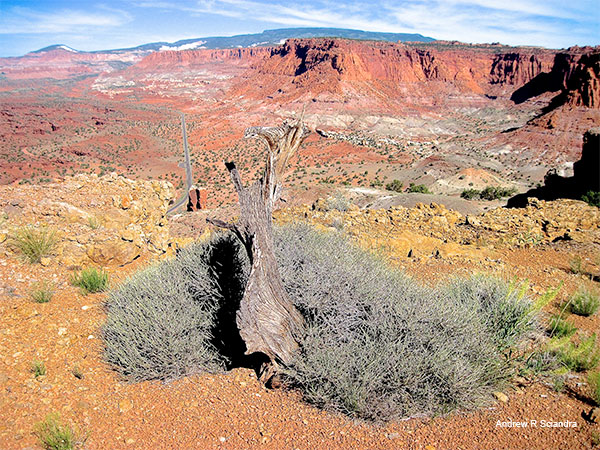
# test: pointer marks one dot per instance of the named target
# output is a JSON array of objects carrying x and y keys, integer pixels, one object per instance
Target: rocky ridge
[
  {"x": 435, "y": 231},
  {"x": 106, "y": 221}
]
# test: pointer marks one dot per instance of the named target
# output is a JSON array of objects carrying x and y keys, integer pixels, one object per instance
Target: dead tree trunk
[{"x": 267, "y": 320}]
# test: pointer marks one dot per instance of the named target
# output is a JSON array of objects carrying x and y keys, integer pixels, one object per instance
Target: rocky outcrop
[
  {"x": 197, "y": 199},
  {"x": 433, "y": 231},
  {"x": 331, "y": 65},
  {"x": 583, "y": 86},
  {"x": 519, "y": 68},
  {"x": 104, "y": 221},
  {"x": 586, "y": 176},
  {"x": 188, "y": 58}
]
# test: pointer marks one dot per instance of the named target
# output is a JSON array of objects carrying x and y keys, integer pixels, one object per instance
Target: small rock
[
  {"x": 501, "y": 397},
  {"x": 125, "y": 405},
  {"x": 85, "y": 307},
  {"x": 62, "y": 331},
  {"x": 45, "y": 261},
  {"x": 130, "y": 441},
  {"x": 392, "y": 435},
  {"x": 222, "y": 439},
  {"x": 595, "y": 415}
]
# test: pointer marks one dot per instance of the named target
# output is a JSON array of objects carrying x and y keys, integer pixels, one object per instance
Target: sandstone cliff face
[
  {"x": 583, "y": 85},
  {"x": 519, "y": 68},
  {"x": 332, "y": 65},
  {"x": 173, "y": 58}
]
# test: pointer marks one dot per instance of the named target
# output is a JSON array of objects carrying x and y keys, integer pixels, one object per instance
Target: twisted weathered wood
[{"x": 267, "y": 320}]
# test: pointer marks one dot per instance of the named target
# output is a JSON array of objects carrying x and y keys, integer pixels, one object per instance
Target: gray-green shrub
[
  {"x": 160, "y": 322},
  {"x": 502, "y": 307},
  {"x": 377, "y": 345}
]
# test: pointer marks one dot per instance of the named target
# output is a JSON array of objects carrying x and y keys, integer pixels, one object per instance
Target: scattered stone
[
  {"x": 392, "y": 435},
  {"x": 45, "y": 261},
  {"x": 62, "y": 331},
  {"x": 500, "y": 396},
  {"x": 125, "y": 405},
  {"x": 222, "y": 439},
  {"x": 594, "y": 415}
]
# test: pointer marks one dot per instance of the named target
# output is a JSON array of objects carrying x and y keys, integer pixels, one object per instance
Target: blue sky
[{"x": 27, "y": 25}]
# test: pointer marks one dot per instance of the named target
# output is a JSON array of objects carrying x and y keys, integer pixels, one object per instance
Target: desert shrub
[
  {"x": 378, "y": 345},
  {"x": 584, "y": 303},
  {"x": 470, "y": 194},
  {"x": 395, "y": 185},
  {"x": 592, "y": 198},
  {"x": 576, "y": 265},
  {"x": 488, "y": 193},
  {"x": 54, "y": 435},
  {"x": 338, "y": 202},
  {"x": 42, "y": 292},
  {"x": 559, "y": 327},
  {"x": 594, "y": 381},
  {"x": 502, "y": 307},
  {"x": 33, "y": 243},
  {"x": 418, "y": 188},
  {"x": 160, "y": 322},
  {"x": 90, "y": 280},
  {"x": 578, "y": 357},
  {"x": 542, "y": 361},
  {"x": 38, "y": 368},
  {"x": 495, "y": 193}
]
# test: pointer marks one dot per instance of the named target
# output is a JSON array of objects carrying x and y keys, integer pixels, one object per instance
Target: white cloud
[
  {"x": 529, "y": 22},
  {"x": 20, "y": 20}
]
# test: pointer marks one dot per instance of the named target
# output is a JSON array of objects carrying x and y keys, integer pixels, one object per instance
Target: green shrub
[
  {"x": 418, "y": 188},
  {"x": 592, "y": 198},
  {"x": 33, "y": 243},
  {"x": 90, "y": 280},
  {"x": 488, "y": 193},
  {"x": 42, "y": 292},
  {"x": 161, "y": 322},
  {"x": 395, "y": 185},
  {"x": 54, "y": 435},
  {"x": 559, "y": 327},
  {"x": 594, "y": 380},
  {"x": 38, "y": 368},
  {"x": 577, "y": 357},
  {"x": 495, "y": 193},
  {"x": 584, "y": 303},
  {"x": 470, "y": 194},
  {"x": 542, "y": 361}
]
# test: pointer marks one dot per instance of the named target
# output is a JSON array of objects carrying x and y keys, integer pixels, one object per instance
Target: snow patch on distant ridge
[{"x": 189, "y": 46}]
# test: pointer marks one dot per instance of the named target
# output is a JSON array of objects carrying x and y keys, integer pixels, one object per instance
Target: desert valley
[{"x": 414, "y": 149}]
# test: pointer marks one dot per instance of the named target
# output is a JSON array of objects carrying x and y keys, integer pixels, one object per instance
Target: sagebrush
[
  {"x": 161, "y": 321},
  {"x": 377, "y": 345}
]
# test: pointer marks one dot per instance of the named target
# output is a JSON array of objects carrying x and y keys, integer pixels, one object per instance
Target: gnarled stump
[{"x": 267, "y": 320}]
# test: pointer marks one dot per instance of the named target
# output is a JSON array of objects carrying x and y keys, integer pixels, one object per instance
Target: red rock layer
[{"x": 174, "y": 58}]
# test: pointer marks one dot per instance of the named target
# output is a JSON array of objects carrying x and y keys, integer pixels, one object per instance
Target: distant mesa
[
  {"x": 265, "y": 39},
  {"x": 586, "y": 176}
]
